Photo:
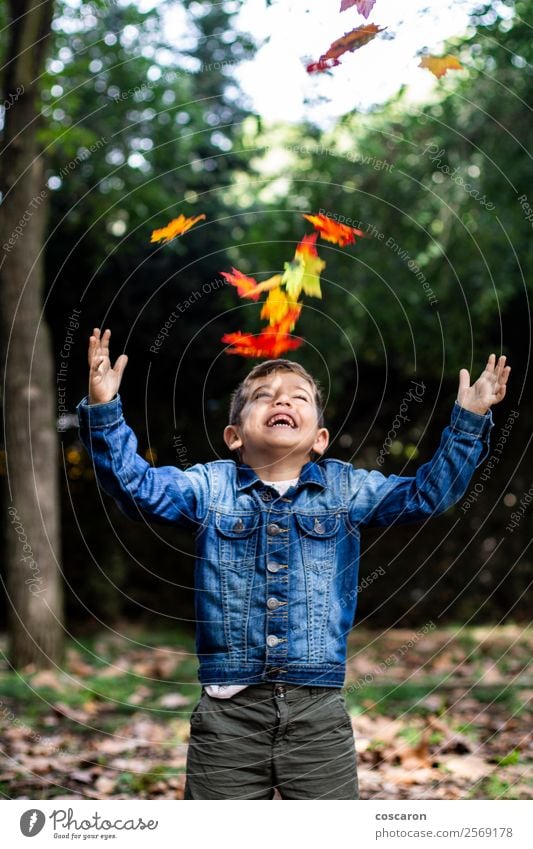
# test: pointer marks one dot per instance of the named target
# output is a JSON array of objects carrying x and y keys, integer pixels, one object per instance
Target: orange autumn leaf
[
  {"x": 281, "y": 310},
  {"x": 438, "y": 65},
  {"x": 331, "y": 231},
  {"x": 352, "y": 40},
  {"x": 268, "y": 285},
  {"x": 270, "y": 343},
  {"x": 306, "y": 253},
  {"x": 247, "y": 287},
  {"x": 174, "y": 228}
]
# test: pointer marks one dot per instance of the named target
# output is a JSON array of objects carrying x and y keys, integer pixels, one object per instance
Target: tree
[{"x": 33, "y": 583}]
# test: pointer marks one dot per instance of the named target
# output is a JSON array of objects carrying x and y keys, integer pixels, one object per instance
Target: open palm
[
  {"x": 489, "y": 388},
  {"x": 104, "y": 380}
]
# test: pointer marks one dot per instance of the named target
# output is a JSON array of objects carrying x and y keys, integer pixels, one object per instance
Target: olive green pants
[{"x": 296, "y": 739}]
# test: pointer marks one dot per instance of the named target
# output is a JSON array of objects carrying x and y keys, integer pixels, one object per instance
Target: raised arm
[
  {"x": 166, "y": 495},
  {"x": 379, "y": 500}
]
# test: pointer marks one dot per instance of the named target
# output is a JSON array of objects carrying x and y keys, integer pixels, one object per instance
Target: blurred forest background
[
  {"x": 132, "y": 133},
  {"x": 116, "y": 133}
]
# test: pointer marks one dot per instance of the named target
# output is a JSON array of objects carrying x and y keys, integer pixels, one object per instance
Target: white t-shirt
[{"x": 226, "y": 691}]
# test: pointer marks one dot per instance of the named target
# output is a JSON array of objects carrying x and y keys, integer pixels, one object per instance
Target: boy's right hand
[{"x": 104, "y": 381}]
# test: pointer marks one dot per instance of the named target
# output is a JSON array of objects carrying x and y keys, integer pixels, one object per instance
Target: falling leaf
[
  {"x": 352, "y": 40},
  {"x": 174, "y": 228},
  {"x": 306, "y": 252},
  {"x": 270, "y": 343},
  {"x": 247, "y": 287},
  {"x": 364, "y": 7},
  {"x": 267, "y": 285},
  {"x": 321, "y": 66},
  {"x": 275, "y": 306},
  {"x": 331, "y": 231},
  {"x": 439, "y": 65}
]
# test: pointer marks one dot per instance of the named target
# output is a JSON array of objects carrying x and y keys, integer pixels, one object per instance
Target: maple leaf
[
  {"x": 331, "y": 231},
  {"x": 352, "y": 40},
  {"x": 267, "y": 285},
  {"x": 246, "y": 287},
  {"x": 438, "y": 65},
  {"x": 270, "y": 343},
  {"x": 280, "y": 309},
  {"x": 321, "y": 66},
  {"x": 174, "y": 228},
  {"x": 364, "y": 7},
  {"x": 306, "y": 252}
]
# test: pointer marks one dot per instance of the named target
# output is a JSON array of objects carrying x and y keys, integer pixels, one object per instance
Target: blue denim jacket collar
[{"x": 311, "y": 472}]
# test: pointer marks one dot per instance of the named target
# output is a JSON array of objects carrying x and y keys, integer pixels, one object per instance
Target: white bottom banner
[{"x": 142, "y": 823}]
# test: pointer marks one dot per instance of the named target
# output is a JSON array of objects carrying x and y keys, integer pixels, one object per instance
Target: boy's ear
[
  {"x": 232, "y": 438},
  {"x": 321, "y": 441}
]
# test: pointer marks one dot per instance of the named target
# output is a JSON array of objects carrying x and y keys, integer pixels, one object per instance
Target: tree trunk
[{"x": 34, "y": 587}]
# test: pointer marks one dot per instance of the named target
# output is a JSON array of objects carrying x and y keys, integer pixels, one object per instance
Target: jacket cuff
[
  {"x": 473, "y": 423},
  {"x": 99, "y": 415}
]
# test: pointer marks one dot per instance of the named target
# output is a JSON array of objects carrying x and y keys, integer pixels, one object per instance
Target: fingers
[{"x": 464, "y": 380}]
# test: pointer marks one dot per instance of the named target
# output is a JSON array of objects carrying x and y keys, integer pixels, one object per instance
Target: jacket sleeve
[
  {"x": 164, "y": 495},
  {"x": 376, "y": 499}
]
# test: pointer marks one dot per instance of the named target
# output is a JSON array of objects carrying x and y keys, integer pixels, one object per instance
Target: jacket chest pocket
[
  {"x": 318, "y": 537},
  {"x": 237, "y": 539}
]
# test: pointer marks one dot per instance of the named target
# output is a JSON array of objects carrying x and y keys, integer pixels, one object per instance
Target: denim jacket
[{"x": 275, "y": 575}]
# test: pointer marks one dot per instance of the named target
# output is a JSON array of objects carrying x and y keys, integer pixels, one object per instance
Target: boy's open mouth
[{"x": 281, "y": 420}]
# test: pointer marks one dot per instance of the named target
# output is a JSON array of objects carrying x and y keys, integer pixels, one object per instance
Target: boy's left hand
[{"x": 488, "y": 389}]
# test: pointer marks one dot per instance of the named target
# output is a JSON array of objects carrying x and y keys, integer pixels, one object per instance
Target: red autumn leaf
[
  {"x": 352, "y": 40},
  {"x": 331, "y": 231},
  {"x": 321, "y": 66},
  {"x": 438, "y": 65},
  {"x": 246, "y": 286},
  {"x": 364, "y": 7},
  {"x": 174, "y": 228},
  {"x": 270, "y": 343}
]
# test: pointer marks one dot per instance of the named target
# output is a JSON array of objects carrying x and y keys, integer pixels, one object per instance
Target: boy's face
[{"x": 285, "y": 397}]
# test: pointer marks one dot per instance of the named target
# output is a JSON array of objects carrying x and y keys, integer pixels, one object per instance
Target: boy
[{"x": 277, "y": 545}]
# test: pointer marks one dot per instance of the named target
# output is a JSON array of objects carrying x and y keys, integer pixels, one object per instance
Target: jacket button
[
  {"x": 273, "y": 641},
  {"x": 273, "y": 567},
  {"x": 273, "y": 529},
  {"x": 239, "y": 525},
  {"x": 273, "y": 603},
  {"x": 266, "y": 495},
  {"x": 319, "y": 527}
]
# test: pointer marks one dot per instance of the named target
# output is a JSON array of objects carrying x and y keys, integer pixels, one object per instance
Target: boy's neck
[{"x": 283, "y": 469}]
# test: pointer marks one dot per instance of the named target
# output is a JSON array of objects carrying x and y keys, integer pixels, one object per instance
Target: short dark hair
[{"x": 240, "y": 396}]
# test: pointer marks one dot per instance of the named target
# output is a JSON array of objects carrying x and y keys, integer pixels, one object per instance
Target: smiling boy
[{"x": 277, "y": 552}]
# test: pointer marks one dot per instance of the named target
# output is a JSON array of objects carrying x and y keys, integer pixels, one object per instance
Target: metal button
[
  {"x": 280, "y": 690},
  {"x": 239, "y": 525},
  {"x": 319, "y": 527},
  {"x": 273, "y": 529},
  {"x": 273, "y": 641},
  {"x": 274, "y": 603},
  {"x": 273, "y": 567},
  {"x": 266, "y": 495}
]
